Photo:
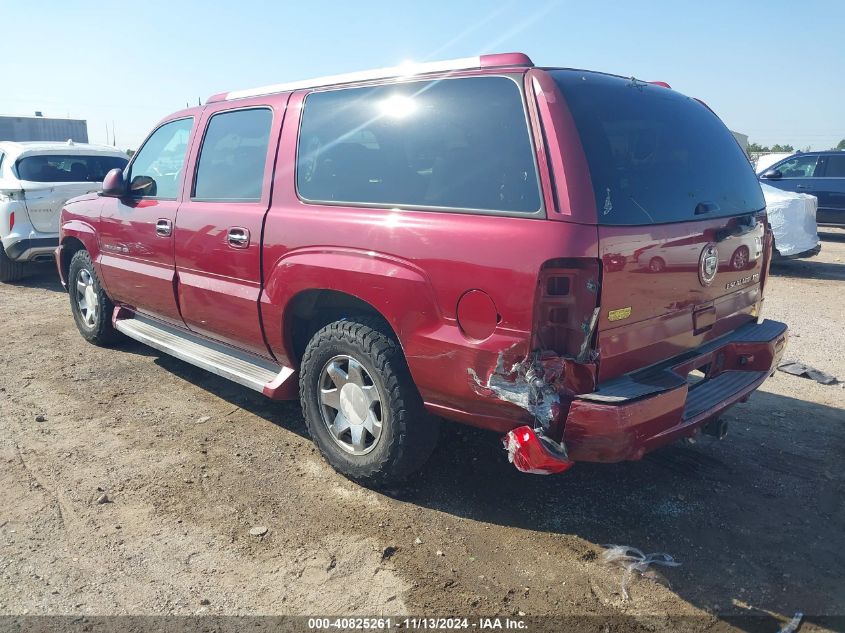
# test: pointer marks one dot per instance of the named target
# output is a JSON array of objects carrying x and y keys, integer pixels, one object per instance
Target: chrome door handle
[
  {"x": 802, "y": 186},
  {"x": 238, "y": 237},
  {"x": 164, "y": 227}
]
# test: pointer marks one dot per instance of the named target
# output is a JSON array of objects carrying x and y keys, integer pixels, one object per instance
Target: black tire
[
  {"x": 408, "y": 433},
  {"x": 657, "y": 265},
  {"x": 98, "y": 330},
  {"x": 9, "y": 270}
]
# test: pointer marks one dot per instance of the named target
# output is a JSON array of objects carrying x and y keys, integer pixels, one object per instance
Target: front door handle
[
  {"x": 164, "y": 227},
  {"x": 802, "y": 186},
  {"x": 238, "y": 237}
]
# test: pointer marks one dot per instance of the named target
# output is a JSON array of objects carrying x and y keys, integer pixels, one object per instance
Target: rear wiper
[{"x": 745, "y": 225}]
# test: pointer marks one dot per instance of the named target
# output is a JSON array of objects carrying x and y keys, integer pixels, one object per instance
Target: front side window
[
  {"x": 455, "y": 143},
  {"x": 158, "y": 164},
  {"x": 835, "y": 166},
  {"x": 67, "y": 167},
  {"x": 798, "y": 167},
  {"x": 233, "y": 155}
]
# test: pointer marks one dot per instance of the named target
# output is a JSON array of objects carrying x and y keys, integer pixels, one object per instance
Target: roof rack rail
[{"x": 403, "y": 70}]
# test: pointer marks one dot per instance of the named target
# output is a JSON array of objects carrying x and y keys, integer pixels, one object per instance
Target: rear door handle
[
  {"x": 802, "y": 186},
  {"x": 238, "y": 237},
  {"x": 164, "y": 227}
]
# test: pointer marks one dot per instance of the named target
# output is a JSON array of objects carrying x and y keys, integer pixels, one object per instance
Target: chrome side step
[{"x": 240, "y": 367}]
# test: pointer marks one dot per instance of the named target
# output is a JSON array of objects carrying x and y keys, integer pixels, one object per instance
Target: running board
[{"x": 238, "y": 366}]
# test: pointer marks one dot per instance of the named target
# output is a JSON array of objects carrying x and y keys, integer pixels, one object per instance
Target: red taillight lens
[
  {"x": 567, "y": 296},
  {"x": 11, "y": 221},
  {"x": 533, "y": 454}
]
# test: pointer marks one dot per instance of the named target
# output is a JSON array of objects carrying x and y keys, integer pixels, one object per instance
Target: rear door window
[
  {"x": 655, "y": 155},
  {"x": 233, "y": 156},
  {"x": 67, "y": 167},
  {"x": 835, "y": 167},
  {"x": 449, "y": 144}
]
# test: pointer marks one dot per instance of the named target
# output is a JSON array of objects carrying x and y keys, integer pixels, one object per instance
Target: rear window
[
  {"x": 67, "y": 168},
  {"x": 456, "y": 143},
  {"x": 655, "y": 155}
]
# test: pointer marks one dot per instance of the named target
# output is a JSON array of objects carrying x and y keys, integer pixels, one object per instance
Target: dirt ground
[{"x": 190, "y": 463}]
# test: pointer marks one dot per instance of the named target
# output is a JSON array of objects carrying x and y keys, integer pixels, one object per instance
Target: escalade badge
[{"x": 708, "y": 265}]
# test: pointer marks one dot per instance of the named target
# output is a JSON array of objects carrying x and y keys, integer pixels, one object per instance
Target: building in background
[
  {"x": 742, "y": 139},
  {"x": 40, "y": 128}
]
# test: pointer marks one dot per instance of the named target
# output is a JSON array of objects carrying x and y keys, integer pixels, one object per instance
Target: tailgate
[
  {"x": 679, "y": 214},
  {"x": 44, "y": 202},
  {"x": 672, "y": 287}
]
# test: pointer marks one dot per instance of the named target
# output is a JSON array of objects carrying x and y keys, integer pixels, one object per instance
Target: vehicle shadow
[
  {"x": 831, "y": 235},
  {"x": 757, "y": 520},
  {"x": 808, "y": 269},
  {"x": 286, "y": 413},
  {"x": 42, "y": 276}
]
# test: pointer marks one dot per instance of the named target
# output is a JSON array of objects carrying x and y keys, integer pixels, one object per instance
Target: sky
[{"x": 772, "y": 69}]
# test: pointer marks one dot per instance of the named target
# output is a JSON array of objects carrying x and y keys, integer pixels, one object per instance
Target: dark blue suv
[{"x": 819, "y": 173}]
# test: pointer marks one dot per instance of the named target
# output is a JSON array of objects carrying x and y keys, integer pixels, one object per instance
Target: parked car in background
[
  {"x": 821, "y": 174},
  {"x": 792, "y": 217},
  {"x": 403, "y": 245},
  {"x": 36, "y": 179}
]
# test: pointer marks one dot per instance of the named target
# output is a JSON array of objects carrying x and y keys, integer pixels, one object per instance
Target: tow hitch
[{"x": 533, "y": 453}]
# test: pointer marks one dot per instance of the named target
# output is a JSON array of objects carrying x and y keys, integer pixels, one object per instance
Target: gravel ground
[{"x": 132, "y": 484}]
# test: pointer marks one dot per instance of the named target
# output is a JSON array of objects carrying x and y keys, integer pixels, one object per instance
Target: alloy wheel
[{"x": 350, "y": 405}]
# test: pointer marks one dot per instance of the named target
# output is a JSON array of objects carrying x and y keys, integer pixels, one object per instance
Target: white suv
[{"x": 36, "y": 179}]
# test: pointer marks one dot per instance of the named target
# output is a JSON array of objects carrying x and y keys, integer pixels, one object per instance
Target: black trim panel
[{"x": 19, "y": 248}]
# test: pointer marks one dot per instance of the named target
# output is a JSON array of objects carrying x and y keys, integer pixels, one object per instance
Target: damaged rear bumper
[{"x": 629, "y": 416}]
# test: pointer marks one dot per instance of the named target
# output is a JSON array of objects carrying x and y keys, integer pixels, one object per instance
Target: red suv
[{"x": 573, "y": 259}]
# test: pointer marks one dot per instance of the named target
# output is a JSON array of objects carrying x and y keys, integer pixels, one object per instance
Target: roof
[
  {"x": 403, "y": 71},
  {"x": 43, "y": 118},
  {"x": 16, "y": 149}
]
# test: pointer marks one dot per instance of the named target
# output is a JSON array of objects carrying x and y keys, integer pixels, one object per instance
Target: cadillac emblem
[{"x": 708, "y": 265}]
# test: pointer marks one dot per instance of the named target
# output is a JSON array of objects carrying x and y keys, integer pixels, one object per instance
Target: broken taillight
[
  {"x": 533, "y": 453},
  {"x": 565, "y": 304}
]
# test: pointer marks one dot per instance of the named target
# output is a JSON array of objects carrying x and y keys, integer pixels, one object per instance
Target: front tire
[
  {"x": 360, "y": 404},
  {"x": 91, "y": 307},
  {"x": 9, "y": 270}
]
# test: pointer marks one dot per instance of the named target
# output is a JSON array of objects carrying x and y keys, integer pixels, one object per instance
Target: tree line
[{"x": 777, "y": 147}]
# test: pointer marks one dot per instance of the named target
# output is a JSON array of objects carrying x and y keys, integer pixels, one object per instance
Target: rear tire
[
  {"x": 91, "y": 307},
  {"x": 10, "y": 270},
  {"x": 657, "y": 265},
  {"x": 360, "y": 403}
]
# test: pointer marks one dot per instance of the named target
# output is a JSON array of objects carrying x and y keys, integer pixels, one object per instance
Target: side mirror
[
  {"x": 771, "y": 174},
  {"x": 114, "y": 184}
]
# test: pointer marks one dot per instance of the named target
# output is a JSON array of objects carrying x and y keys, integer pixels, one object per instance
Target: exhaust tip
[{"x": 717, "y": 428}]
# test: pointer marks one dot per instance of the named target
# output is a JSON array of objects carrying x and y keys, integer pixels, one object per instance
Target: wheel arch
[{"x": 312, "y": 285}]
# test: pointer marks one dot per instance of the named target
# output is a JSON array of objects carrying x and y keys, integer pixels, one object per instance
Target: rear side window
[
  {"x": 67, "y": 168},
  {"x": 655, "y": 155},
  {"x": 233, "y": 155},
  {"x": 157, "y": 166},
  {"x": 835, "y": 166},
  {"x": 452, "y": 144}
]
